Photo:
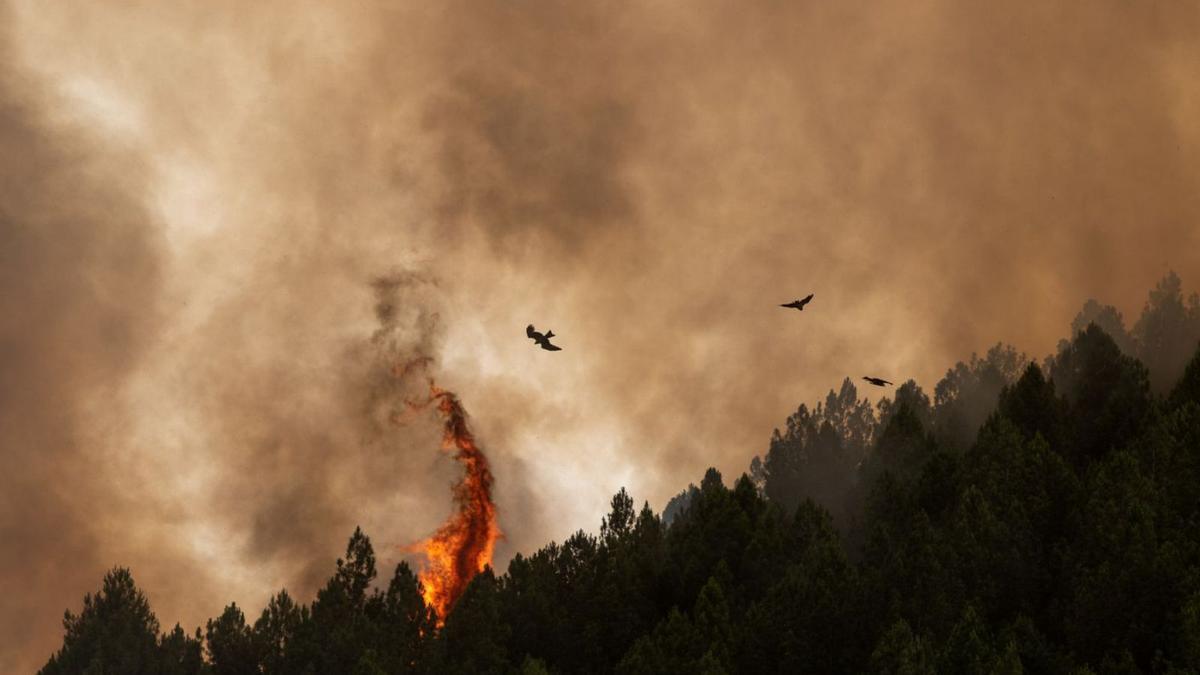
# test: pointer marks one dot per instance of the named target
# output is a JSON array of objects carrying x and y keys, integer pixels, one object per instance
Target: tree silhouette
[
  {"x": 1109, "y": 320},
  {"x": 965, "y": 397},
  {"x": 816, "y": 454},
  {"x": 1033, "y": 407},
  {"x": 1167, "y": 331},
  {"x": 1187, "y": 390},
  {"x": 1027, "y": 519},
  {"x": 276, "y": 634},
  {"x": 231, "y": 645},
  {"x": 1108, "y": 394},
  {"x": 116, "y": 633},
  {"x": 473, "y": 639}
]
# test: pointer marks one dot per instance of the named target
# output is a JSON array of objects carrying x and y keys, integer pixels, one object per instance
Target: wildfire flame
[{"x": 462, "y": 547}]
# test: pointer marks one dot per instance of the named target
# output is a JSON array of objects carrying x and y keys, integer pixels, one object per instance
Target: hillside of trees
[{"x": 1039, "y": 517}]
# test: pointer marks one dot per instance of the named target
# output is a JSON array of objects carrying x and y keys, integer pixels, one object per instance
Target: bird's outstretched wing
[
  {"x": 541, "y": 340},
  {"x": 799, "y": 304}
]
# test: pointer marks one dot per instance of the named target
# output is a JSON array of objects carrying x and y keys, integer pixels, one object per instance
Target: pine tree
[
  {"x": 1108, "y": 394},
  {"x": 115, "y": 633},
  {"x": 1033, "y": 407},
  {"x": 671, "y": 648},
  {"x": 276, "y": 633},
  {"x": 1167, "y": 331},
  {"x": 965, "y": 397},
  {"x": 1109, "y": 320},
  {"x": 1187, "y": 389},
  {"x": 805, "y": 623},
  {"x": 181, "y": 654},
  {"x": 901, "y": 652},
  {"x": 231, "y": 645},
  {"x": 402, "y": 623},
  {"x": 474, "y": 637},
  {"x": 1010, "y": 519},
  {"x": 339, "y": 620}
]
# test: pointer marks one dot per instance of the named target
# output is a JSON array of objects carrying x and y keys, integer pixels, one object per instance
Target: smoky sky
[
  {"x": 78, "y": 273},
  {"x": 221, "y": 224}
]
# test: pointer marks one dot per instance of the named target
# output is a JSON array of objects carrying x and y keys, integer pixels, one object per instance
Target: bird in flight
[
  {"x": 542, "y": 340},
  {"x": 799, "y": 304},
  {"x": 877, "y": 381}
]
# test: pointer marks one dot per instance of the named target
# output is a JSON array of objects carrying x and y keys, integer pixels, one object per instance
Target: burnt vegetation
[{"x": 1028, "y": 517}]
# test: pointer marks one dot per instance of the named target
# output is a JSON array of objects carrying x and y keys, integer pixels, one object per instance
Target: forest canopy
[{"x": 1028, "y": 516}]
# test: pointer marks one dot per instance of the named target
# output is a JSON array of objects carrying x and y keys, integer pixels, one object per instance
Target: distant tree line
[{"x": 1040, "y": 518}]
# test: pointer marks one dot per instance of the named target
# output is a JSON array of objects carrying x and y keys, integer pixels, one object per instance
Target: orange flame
[{"x": 462, "y": 547}]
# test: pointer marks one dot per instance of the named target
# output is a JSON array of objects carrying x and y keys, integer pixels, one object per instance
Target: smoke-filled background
[{"x": 218, "y": 221}]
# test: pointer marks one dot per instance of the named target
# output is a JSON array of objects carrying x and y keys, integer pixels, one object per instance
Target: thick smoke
[
  {"x": 78, "y": 273},
  {"x": 648, "y": 180}
]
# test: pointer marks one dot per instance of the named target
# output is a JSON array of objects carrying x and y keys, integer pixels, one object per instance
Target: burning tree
[{"x": 462, "y": 547}]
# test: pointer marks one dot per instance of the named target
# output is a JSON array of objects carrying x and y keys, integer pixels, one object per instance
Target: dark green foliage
[
  {"x": 339, "y": 614},
  {"x": 1124, "y": 571},
  {"x": 808, "y": 621},
  {"x": 474, "y": 637},
  {"x": 1170, "y": 456},
  {"x": 1164, "y": 336},
  {"x": 1032, "y": 406},
  {"x": 180, "y": 654},
  {"x": 1016, "y": 523},
  {"x": 717, "y": 527},
  {"x": 679, "y": 503},
  {"x": 910, "y": 569},
  {"x": 815, "y": 455},
  {"x": 701, "y": 643},
  {"x": 672, "y": 647},
  {"x": 231, "y": 647},
  {"x": 579, "y": 606},
  {"x": 402, "y": 621},
  {"x": 1109, "y": 320},
  {"x": 937, "y": 489},
  {"x": 532, "y": 666},
  {"x": 1010, "y": 518},
  {"x": 1167, "y": 331},
  {"x": 965, "y": 397},
  {"x": 972, "y": 649},
  {"x": 1187, "y": 390},
  {"x": 908, "y": 396},
  {"x": 902, "y": 447},
  {"x": 1107, "y": 393},
  {"x": 276, "y": 633},
  {"x": 901, "y": 652},
  {"x": 115, "y": 633},
  {"x": 350, "y": 627}
]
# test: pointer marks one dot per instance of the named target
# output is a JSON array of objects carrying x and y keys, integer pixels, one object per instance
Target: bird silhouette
[
  {"x": 799, "y": 304},
  {"x": 877, "y": 381},
  {"x": 542, "y": 340}
]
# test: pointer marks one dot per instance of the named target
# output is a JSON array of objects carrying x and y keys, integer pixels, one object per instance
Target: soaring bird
[
  {"x": 799, "y": 304},
  {"x": 877, "y": 381},
  {"x": 542, "y": 340}
]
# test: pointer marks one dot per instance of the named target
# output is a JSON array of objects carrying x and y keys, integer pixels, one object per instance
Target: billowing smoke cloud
[
  {"x": 647, "y": 180},
  {"x": 78, "y": 272}
]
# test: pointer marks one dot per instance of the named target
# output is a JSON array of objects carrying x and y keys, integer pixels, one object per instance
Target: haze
[{"x": 197, "y": 200}]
